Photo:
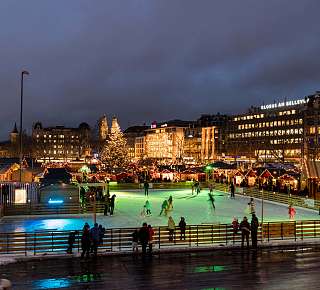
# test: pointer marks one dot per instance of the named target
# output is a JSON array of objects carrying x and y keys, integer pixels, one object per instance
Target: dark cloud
[{"x": 153, "y": 60}]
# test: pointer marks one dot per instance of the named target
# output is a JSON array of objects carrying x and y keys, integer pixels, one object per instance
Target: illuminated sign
[
  {"x": 164, "y": 125},
  {"x": 20, "y": 196},
  {"x": 283, "y": 104},
  {"x": 55, "y": 201}
]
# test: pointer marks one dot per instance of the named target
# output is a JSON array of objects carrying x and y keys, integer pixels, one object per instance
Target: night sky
[{"x": 153, "y": 60}]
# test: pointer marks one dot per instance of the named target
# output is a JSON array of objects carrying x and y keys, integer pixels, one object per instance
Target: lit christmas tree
[{"x": 114, "y": 152}]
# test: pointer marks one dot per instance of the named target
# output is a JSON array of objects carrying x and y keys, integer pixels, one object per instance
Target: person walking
[
  {"x": 182, "y": 226},
  {"x": 164, "y": 207},
  {"x": 85, "y": 241},
  {"x": 150, "y": 241},
  {"x": 112, "y": 203},
  {"x": 144, "y": 238},
  {"x": 95, "y": 238},
  {"x": 171, "y": 228},
  {"x": 254, "y": 231},
  {"x": 148, "y": 208},
  {"x": 71, "y": 240},
  {"x": 146, "y": 188},
  {"x": 245, "y": 231}
]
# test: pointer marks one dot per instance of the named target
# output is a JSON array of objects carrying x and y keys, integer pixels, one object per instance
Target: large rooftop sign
[{"x": 283, "y": 104}]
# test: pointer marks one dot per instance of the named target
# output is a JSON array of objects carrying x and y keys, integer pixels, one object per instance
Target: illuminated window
[{"x": 312, "y": 130}]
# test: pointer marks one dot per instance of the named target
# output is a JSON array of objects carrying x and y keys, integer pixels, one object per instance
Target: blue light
[
  {"x": 55, "y": 201},
  {"x": 52, "y": 283}
]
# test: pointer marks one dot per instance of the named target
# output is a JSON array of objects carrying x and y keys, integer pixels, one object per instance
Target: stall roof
[{"x": 223, "y": 165}]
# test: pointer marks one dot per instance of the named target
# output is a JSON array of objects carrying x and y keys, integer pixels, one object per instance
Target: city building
[
  {"x": 270, "y": 132},
  {"x": 135, "y": 141},
  {"x": 10, "y": 148},
  {"x": 61, "y": 144}
]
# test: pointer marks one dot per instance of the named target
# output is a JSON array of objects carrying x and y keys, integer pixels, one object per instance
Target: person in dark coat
[
  {"x": 106, "y": 205},
  {"x": 182, "y": 226},
  {"x": 112, "y": 202},
  {"x": 245, "y": 231},
  {"x": 146, "y": 188},
  {"x": 71, "y": 240},
  {"x": 95, "y": 238},
  {"x": 85, "y": 241},
  {"x": 144, "y": 238},
  {"x": 232, "y": 189},
  {"x": 254, "y": 230},
  {"x": 102, "y": 231}
]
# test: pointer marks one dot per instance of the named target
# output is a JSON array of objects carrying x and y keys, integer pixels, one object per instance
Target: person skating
[
  {"x": 164, "y": 207},
  {"x": 112, "y": 203},
  {"x": 71, "y": 240},
  {"x": 146, "y": 188},
  {"x": 148, "y": 207},
  {"x": 169, "y": 206},
  {"x": 252, "y": 207},
  {"x": 254, "y": 230},
  {"x": 144, "y": 238},
  {"x": 245, "y": 231},
  {"x": 212, "y": 200},
  {"x": 95, "y": 238},
  {"x": 210, "y": 187},
  {"x": 85, "y": 241},
  {"x": 192, "y": 187},
  {"x": 171, "y": 228},
  {"x": 182, "y": 226},
  {"x": 198, "y": 187},
  {"x": 150, "y": 241},
  {"x": 232, "y": 190},
  {"x": 291, "y": 212}
]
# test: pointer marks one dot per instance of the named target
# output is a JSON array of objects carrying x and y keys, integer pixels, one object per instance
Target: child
[
  {"x": 143, "y": 211},
  {"x": 148, "y": 207},
  {"x": 292, "y": 212}
]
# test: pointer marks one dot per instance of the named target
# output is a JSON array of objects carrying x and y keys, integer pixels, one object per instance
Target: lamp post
[{"x": 23, "y": 73}]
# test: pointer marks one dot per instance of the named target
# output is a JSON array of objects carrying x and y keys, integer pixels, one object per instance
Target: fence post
[
  {"x": 120, "y": 240},
  {"x": 197, "y": 235},
  {"x": 281, "y": 231},
  {"x": 7, "y": 243},
  {"x": 51, "y": 241},
  {"x": 295, "y": 231},
  {"x": 301, "y": 230},
  {"x": 25, "y": 243},
  {"x": 211, "y": 234},
  {"x": 159, "y": 237},
  {"x": 78, "y": 241},
  {"x": 268, "y": 232},
  {"x": 226, "y": 234},
  {"x": 314, "y": 229},
  {"x": 111, "y": 234},
  {"x": 189, "y": 236},
  {"x": 34, "y": 243}
]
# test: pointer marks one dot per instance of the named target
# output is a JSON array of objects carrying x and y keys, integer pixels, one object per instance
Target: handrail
[{"x": 119, "y": 239}]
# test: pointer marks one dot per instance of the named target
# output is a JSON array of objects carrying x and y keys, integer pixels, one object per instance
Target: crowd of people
[{"x": 92, "y": 238}]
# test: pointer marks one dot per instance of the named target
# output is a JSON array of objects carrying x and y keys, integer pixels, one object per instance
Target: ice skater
[
  {"x": 170, "y": 205},
  {"x": 291, "y": 212},
  {"x": 251, "y": 206},
  {"x": 198, "y": 187},
  {"x": 232, "y": 190},
  {"x": 164, "y": 207},
  {"x": 146, "y": 188},
  {"x": 148, "y": 207},
  {"x": 212, "y": 200},
  {"x": 210, "y": 187}
]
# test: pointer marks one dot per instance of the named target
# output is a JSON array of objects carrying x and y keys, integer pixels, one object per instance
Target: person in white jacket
[{"x": 171, "y": 228}]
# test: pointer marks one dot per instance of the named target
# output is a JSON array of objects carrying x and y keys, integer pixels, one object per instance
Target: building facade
[{"x": 61, "y": 144}]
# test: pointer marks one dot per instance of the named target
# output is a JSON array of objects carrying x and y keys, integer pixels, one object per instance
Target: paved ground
[
  {"x": 267, "y": 269},
  {"x": 196, "y": 210}
]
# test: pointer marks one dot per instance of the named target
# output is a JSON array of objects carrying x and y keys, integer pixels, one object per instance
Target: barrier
[{"x": 119, "y": 239}]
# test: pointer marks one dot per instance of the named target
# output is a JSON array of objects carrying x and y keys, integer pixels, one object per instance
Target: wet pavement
[{"x": 234, "y": 269}]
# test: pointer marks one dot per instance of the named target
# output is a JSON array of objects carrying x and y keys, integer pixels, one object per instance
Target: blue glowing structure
[{"x": 55, "y": 201}]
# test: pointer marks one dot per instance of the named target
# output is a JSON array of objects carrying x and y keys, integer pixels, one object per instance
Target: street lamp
[{"x": 23, "y": 73}]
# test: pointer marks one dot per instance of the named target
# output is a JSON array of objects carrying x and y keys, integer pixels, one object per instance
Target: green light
[
  {"x": 206, "y": 269},
  {"x": 113, "y": 183}
]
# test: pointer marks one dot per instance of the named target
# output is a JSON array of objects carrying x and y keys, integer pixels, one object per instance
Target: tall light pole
[{"x": 23, "y": 73}]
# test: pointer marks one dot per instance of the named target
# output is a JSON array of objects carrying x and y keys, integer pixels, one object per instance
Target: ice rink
[{"x": 129, "y": 204}]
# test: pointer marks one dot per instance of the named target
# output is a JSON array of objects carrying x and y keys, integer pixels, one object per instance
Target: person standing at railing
[
  {"x": 235, "y": 227},
  {"x": 254, "y": 230},
  {"x": 171, "y": 228},
  {"x": 245, "y": 231},
  {"x": 144, "y": 238},
  {"x": 85, "y": 241},
  {"x": 95, "y": 238},
  {"x": 182, "y": 226},
  {"x": 135, "y": 241},
  {"x": 71, "y": 240}
]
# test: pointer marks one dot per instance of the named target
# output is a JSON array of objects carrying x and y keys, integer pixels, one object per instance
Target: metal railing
[{"x": 120, "y": 239}]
